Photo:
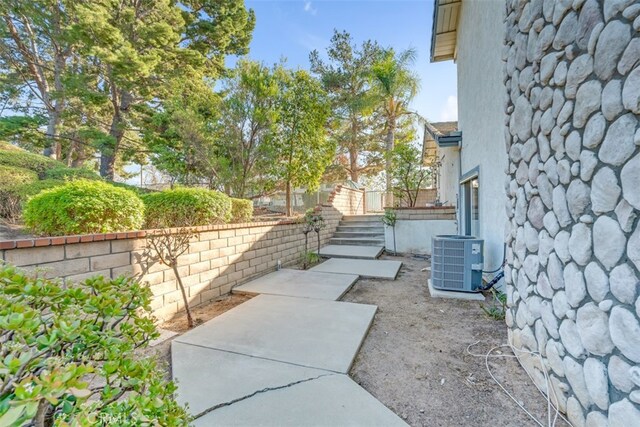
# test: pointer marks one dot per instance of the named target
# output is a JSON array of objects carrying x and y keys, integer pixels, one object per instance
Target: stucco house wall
[{"x": 481, "y": 115}]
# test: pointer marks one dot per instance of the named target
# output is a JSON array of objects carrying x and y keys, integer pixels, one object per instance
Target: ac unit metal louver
[{"x": 456, "y": 263}]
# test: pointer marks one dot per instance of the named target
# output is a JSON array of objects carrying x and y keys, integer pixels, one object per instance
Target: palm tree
[{"x": 396, "y": 85}]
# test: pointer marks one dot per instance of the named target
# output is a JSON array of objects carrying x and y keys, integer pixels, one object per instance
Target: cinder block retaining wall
[
  {"x": 220, "y": 257},
  {"x": 348, "y": 200},
  {"x": 573, "y": 83},
  {"x": 436, "y": 212}
]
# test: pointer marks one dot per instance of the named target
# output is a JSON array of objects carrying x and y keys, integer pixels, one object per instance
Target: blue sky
[{"x": 292, "y": 28}]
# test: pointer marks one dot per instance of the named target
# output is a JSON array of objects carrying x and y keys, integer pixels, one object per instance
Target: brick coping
[{"x": 86, "y": 238}]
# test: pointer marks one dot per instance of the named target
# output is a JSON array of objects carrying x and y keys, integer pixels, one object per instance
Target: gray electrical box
[{"x": 456, "y": 263}]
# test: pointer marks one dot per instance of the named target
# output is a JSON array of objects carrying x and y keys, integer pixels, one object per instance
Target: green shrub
[
  {"x": 138, "y": 190},
  {"x": 82, "y": 207},
  {"x": 60, "y": 341},
  {"x": 13, "y": 198},
  {"x": 241, "y": 210},
  {"x": 186, "y": 207},
  {"x": 23, "y": 159},
  {"x": 64, "y": 173},
  {"x": 11, "y": 176}
]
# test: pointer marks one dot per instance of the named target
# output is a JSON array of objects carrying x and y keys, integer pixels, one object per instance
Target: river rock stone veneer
[{"x": 572, "y": 78}]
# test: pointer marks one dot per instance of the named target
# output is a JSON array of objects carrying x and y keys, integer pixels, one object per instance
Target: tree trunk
[
  {"x": 43, "y": 417},
  {"x": 52, "y": 147},
  {"x": 390, "y": 143},
  {"x": 288, "y": 209},
  {"x": 174, "y": 266},
  {"x": 306, "y": 250},
  {"x": 121, "y": 101},
  {"x": 353, "y": 164}
]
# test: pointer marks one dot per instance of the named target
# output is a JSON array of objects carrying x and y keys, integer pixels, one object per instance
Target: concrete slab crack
[{"x": 264, "y": 390}]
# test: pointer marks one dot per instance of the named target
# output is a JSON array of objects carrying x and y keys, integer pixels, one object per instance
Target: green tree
[
  {"x": 409, "y": 174},
  {"x": 249, "y": 115},
  {"x": 354, "y": 122},
  {"x": 182, "y": 137},
  {"x": 139, "y": 46},
  {"x": 36, "y": 45},
  {"x": 302, "y": 149},
  {"x": 396, "y": 85}
]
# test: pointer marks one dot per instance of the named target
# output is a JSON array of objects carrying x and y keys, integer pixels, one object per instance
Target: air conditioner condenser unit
[{"x": 456, "y": 263}]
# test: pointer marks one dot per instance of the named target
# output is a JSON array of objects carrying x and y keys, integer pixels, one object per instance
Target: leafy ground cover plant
[
  {"x": 498, "y": 308},
  {"x": 82, "y": 207},
  {"x": 193, "y": 206},
  {"x": 67, "y": 355},
  {"x": 241, "y": 210}
]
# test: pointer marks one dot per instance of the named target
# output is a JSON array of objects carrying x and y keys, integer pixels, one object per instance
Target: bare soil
[
  {"x": 415, "y": 360},
  {"x": 9, "y": 231},
  {"x": 204, "y": 312}
]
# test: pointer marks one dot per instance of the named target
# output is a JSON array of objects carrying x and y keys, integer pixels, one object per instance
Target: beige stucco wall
[
  {"x": 449, "y": 175},
  {"x": 481, "y": 96}
]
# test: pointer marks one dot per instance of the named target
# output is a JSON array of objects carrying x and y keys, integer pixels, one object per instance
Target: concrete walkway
[
  {"x": 300, "y": 283},
  {"x": 281, "y": 358},
  {"x": 351, "y": 251},
  {"x": 380, "y": 269}
]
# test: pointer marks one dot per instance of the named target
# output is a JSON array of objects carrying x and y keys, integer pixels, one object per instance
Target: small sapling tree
[
  {"x": 307, "y": 228},
  {"x": 168, "y": 244},
  {"x": 318, "y": 225},
  {"x": 389, "y": 219}
]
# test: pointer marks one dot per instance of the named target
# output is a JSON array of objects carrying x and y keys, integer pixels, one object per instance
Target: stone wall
[
  {"x": 573, "y": 188},
  {"x": 219, "y": 258}
]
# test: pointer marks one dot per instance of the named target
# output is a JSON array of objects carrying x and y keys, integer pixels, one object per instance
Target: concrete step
[
  {"x": 362, "y": 218},
  {"x": 346, "y": 234},
  {"x": 361, "y": 223},
  {"x": 355, "y": 229},
  {"x": 357, "y": 241}
]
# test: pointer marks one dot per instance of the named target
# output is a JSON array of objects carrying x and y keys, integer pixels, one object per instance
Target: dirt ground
[
  {"x": 10, "y": 231},
  {"x": 414, "y": 358}
]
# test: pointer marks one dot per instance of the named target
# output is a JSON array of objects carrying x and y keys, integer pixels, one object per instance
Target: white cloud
[
  {"x": 450, "y": 111},
  {"x": 308, "y": 7}
]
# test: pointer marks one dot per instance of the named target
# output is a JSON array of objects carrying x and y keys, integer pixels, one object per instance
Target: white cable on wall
[{"x": 550, "y": 406}]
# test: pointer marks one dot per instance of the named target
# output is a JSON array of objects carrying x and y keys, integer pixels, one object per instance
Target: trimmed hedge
[
  {"x": 84, "y": 207},
  {"x": 11, "y": 176},
  {"x": 23, "y": 159},
  {"x": 241, "y": 210},
  {"x": 12, "y": 199},
  {"x": 183, "y": 207},
  {"x": 65, "y": 173}
]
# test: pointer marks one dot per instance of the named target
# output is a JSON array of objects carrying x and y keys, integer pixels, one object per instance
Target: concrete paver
[
  {"x": 351, "y": 251},
  {"x": 300, "y": 283},
  {"x": 383, "y": 269},
  {"x": 208, "y": 378},
  {"x": 307, "y": 332},
  {"x": 332, "y": 400},
  {"x": 439, "y": 293}
]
